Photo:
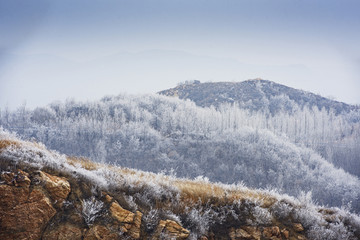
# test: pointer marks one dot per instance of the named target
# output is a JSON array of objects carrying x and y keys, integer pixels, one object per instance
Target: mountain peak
[{"x": 254, "y": 94}]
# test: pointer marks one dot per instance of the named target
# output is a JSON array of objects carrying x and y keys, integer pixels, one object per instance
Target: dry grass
[
  {"x": 7, "y": 143},
  {"x": 193, "y": 191},
  {"x": 84, "y": 163},
  {"x": 190, "y": 191}
]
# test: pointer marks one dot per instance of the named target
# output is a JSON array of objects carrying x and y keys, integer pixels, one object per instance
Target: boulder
[
  {"x": 18, "y": 178},
  {"x": 134, "y": 231},
  {"x": 298, "y": 227},
  {"x": 24, "y": 213},
  {"x": 57, "y": 187},
  {"x": 121, "y": 214},
  {"x": 130, "y": 222},
  {"x": 285, "y": 233},
  {"x": 272, "y": 233},
  {"x": 171, "y": 230},
  {"x": 246, "y": 232}
]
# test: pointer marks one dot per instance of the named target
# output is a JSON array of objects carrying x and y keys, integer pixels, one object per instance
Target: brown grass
[
  {"x": 191, "y": 191},
  {"x": 84, "y": 163},
  {"x": 6, "y": 143}
]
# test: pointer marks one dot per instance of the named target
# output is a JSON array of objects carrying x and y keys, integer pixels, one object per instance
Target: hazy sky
[{"x": 85, "y": 49}]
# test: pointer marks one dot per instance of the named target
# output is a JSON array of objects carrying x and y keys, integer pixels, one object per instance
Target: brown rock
[
  {"x": 22, "y": 179},
  {"x": 11, "y": 196},
  {"x": 64, "y": 232},
  {"x": 134, "y": 231},
  {"x": 120, "y": 214},
  {"x": 285, "y": 233},
  {"x": 9, "y": 178},
  {"x": 232, "y": 233},
  {"x": 57, "y": 187},
  {"x": 242, "y": 234},
  {"x": 171, "y": 229},
  {"x": 298, "y": 227},
  {"x": 24, "y": 215},
  {"x": 272, "y": 233},
  {"x": 18, "y": 178},
  {"x": 301, "y": 237},
  {"x": 246, "y": 232},
  {"x": 98, "y": 232},
  {"x": 203, "y": 238},
  {"x": 108, "y": 198},
  {"x": 253, "y": 231}
]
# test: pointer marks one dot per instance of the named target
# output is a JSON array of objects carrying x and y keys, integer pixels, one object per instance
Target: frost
[
  {"x": 151, "y": 219},
  {"x": 262, "y": 215},
  {"x": 91, "y": 209}
]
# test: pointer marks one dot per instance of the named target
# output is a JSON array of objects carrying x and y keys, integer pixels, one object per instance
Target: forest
[{"x": 295, "y": 152}]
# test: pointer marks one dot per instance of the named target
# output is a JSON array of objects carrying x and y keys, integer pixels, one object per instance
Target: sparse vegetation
[{"x": 198, "y": 205}]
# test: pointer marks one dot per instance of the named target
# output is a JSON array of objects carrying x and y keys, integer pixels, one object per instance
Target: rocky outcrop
[
  {"x": 64, "y": 232},
  {"x": 58, "y": 204},
  {"x": 98, "y": 232},
  {"x": 272, "y": 233},
  {"x": 246, "y": 232},
  {"x": 298, "y": 227},
  {"x": 122, "y": 215},
  {"x": 57, "y": 187},
  {"x": 25, "y": 211},
  {"x": 170, "y": 229},
  {"x": 134, "y": 231},
  {"x": 265, "y": 233},
  {"x": 32, "y": 205}
]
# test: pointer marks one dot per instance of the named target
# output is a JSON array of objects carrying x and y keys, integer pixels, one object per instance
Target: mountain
[
  {"x": 257, "y": 94},
  {"x": 162, "y": 134},
  {"x": 305, "y": 118},
  {"x": 45, "y": 195}
]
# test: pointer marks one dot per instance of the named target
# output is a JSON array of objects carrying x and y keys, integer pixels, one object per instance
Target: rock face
[
  {"x": 134, "y": 231},
  {"x": 170, "y": 230},
  {"x": 272, "y": 233},
  {"x": 64, "y": 232},
  {"x": 25, "y": 212},
  {"x": 57, "y": 187},
  {"x": 29, "y": 202},
  {"x": 265, "y": 233},
  {"x": 98, "y": 232},
  {"x": 246, "y": 232},
  {"x": 38, "y": 205},
  {"x": 120, "y": 214},
  {"x": 298, "y": 227},
  {"x": 130, "y": 222}
]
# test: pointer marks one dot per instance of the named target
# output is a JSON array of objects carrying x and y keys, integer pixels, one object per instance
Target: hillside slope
[
  {"x": 254, "y": 95},
  {"x": 44, "y": 195},
  {"x": 162, "y": 134},
  {"x": 329, "y": 127}
]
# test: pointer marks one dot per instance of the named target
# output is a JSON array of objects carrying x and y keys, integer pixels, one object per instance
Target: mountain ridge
[{"x": 253, "y": 94}]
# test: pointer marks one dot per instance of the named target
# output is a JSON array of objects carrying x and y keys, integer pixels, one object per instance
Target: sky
[{"x": 86, "y": 49}]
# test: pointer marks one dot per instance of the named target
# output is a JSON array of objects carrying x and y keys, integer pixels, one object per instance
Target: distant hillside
[
  {"x": 162, "y": 134},
  {"x": 44, "y": 195},
  {"x": 254, "y": 95},
  {"x": 305, "y": 118}
]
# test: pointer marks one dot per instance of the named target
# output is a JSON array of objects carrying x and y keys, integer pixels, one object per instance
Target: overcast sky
[{"x": 85, "y": 49}]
